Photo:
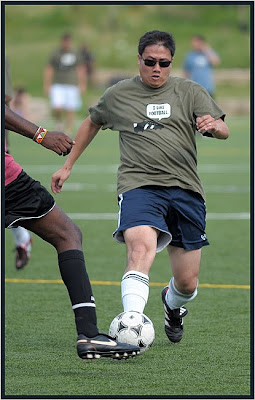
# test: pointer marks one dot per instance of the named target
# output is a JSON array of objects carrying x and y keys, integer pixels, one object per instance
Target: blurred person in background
[
  {"x": 199, "y": 63},
  {"x": 88, "y": 61},
  {"x": 161, "y": 197},
  {"x": 22, "y": 238},
  {"x": 64, "y": 80},
  {"x": 28, "y": 204}
]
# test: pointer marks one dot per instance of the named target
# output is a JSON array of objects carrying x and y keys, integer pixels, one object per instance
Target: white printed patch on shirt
[
  {"x": 158, "y": 111},
  {"x": 68, "y": 59}
]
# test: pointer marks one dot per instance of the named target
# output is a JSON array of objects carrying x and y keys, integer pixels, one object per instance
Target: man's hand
[
  {"x": 58, "y": 179},
  {"x": 55, "y": 141},
  {"x": 206, "y": 124},
  {"x": 58, "y": 142},
  {"x": 217, "y": 128}
]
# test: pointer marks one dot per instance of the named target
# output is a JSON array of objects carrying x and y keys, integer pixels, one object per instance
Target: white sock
[
  {"x": 176, "y": 299},
  {"x": 21, "y": 236},
  {"x": 134, "y": 291}
]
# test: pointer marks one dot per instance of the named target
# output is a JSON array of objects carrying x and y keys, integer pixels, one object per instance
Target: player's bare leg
[
  {"x": 185, "y": 267},
  {"x": 182, "y": 288},
  {"x": 141, "y": 243},
  {"x": 23, "y": 246}
]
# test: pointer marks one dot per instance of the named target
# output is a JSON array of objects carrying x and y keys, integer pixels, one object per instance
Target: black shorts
[{"x": 25, "y": 199}]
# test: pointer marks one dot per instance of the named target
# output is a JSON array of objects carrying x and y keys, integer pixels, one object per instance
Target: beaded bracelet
[{"x": 39, "y": 135}]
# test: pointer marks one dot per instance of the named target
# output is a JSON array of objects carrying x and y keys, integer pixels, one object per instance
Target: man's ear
[{"x": 139, "y": 59}]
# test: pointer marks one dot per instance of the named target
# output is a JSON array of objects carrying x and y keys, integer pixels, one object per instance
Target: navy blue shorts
[{"x": 178, "y": 215}]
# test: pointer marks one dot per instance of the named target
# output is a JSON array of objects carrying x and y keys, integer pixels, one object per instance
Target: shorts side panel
[
  {"x": 186, "y": 219},
  {"x": 141, "y": 207},
  {"x": 26, "y": 198}
]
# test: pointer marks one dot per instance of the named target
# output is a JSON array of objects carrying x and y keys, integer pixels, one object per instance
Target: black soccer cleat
[
  {"x": 103, "y": 345},
  {"x": 173, "y": 320}
]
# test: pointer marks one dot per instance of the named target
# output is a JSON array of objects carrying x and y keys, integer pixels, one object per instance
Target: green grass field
[{"x": 213, "y": 359}]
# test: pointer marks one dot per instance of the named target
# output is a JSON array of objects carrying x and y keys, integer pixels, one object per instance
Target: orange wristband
[{"x": 39, "y": 135}]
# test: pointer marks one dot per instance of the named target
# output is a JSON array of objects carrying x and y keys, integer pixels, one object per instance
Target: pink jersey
[{"x": 12, "y": 169}]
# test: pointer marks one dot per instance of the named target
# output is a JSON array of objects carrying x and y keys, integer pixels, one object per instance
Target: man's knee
[
  {"x": 140, "y": 250},
  {"x": 66, "y": 235},
  {"x": 141, "y": 245},
  {"x": 72, "y": 231}
]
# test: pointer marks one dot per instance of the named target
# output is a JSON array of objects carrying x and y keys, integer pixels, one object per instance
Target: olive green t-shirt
[
  {"x": 157, "y": 131},
  {"x": 65, "y": 64}
]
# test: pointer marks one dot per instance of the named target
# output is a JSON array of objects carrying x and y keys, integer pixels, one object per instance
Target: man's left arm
[{"x": 216, "y": 127}]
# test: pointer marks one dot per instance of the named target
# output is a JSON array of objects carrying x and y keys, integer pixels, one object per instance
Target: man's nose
[{"x": 156, "y": 67}]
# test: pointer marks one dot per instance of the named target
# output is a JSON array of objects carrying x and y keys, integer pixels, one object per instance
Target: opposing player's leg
[
  {"x": 182, "y": 288},
  {"x": 23, "y": 246},
  {"x": 59, "y": 230}
]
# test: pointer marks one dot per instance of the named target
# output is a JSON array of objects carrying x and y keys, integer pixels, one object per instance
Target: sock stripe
[
  {"x": 138, "y": 278},
  {"x": 83, "y": 305}
]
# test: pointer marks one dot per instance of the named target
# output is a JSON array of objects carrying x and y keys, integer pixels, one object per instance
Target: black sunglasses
[{"x": 151, "y": 63}]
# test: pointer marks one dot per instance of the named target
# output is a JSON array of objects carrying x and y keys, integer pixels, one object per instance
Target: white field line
[
  {"x": 112, "y": 169},
  {"x": 89, "y": 187},
  {"x": 114, "y": 216},
  {"x": 93, "y": 187},
  {"x": 81, "y": 169}
]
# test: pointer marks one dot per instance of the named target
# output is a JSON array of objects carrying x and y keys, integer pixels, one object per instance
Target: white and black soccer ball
[{"x": 133, "y": 327}]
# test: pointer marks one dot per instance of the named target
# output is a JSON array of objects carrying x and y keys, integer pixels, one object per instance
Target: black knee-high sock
[{"x": 75, "y": 277}]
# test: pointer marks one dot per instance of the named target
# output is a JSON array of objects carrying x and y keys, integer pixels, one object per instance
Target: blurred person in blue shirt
[{"x": 199, "y": 62}]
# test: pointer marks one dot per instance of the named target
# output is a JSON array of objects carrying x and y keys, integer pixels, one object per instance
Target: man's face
[
  {"x": 154, "y": 76},
  {"x": 66, "y": 43},
  {"x": 197, "y": 44}
]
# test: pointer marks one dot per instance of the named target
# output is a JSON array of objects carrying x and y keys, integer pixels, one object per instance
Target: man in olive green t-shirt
[
  {"x": 64, "y": 81},
  {"x": 161, "y": 197}
]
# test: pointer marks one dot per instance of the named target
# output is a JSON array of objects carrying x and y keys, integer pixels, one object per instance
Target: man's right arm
[
  {"x": 47, "y": 78},
  {"x": 18, "y": 124},
  {"x": 55, "y": 141},
  {"x": 85, "y": 135}
]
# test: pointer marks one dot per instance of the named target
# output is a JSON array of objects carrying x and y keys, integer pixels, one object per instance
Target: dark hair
[
  {"x": 156, "y": 37},
  {"x": 200, "y": 37},
  {"x": 20, "y": 90},
  {"x": 66, "y": 36}
]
